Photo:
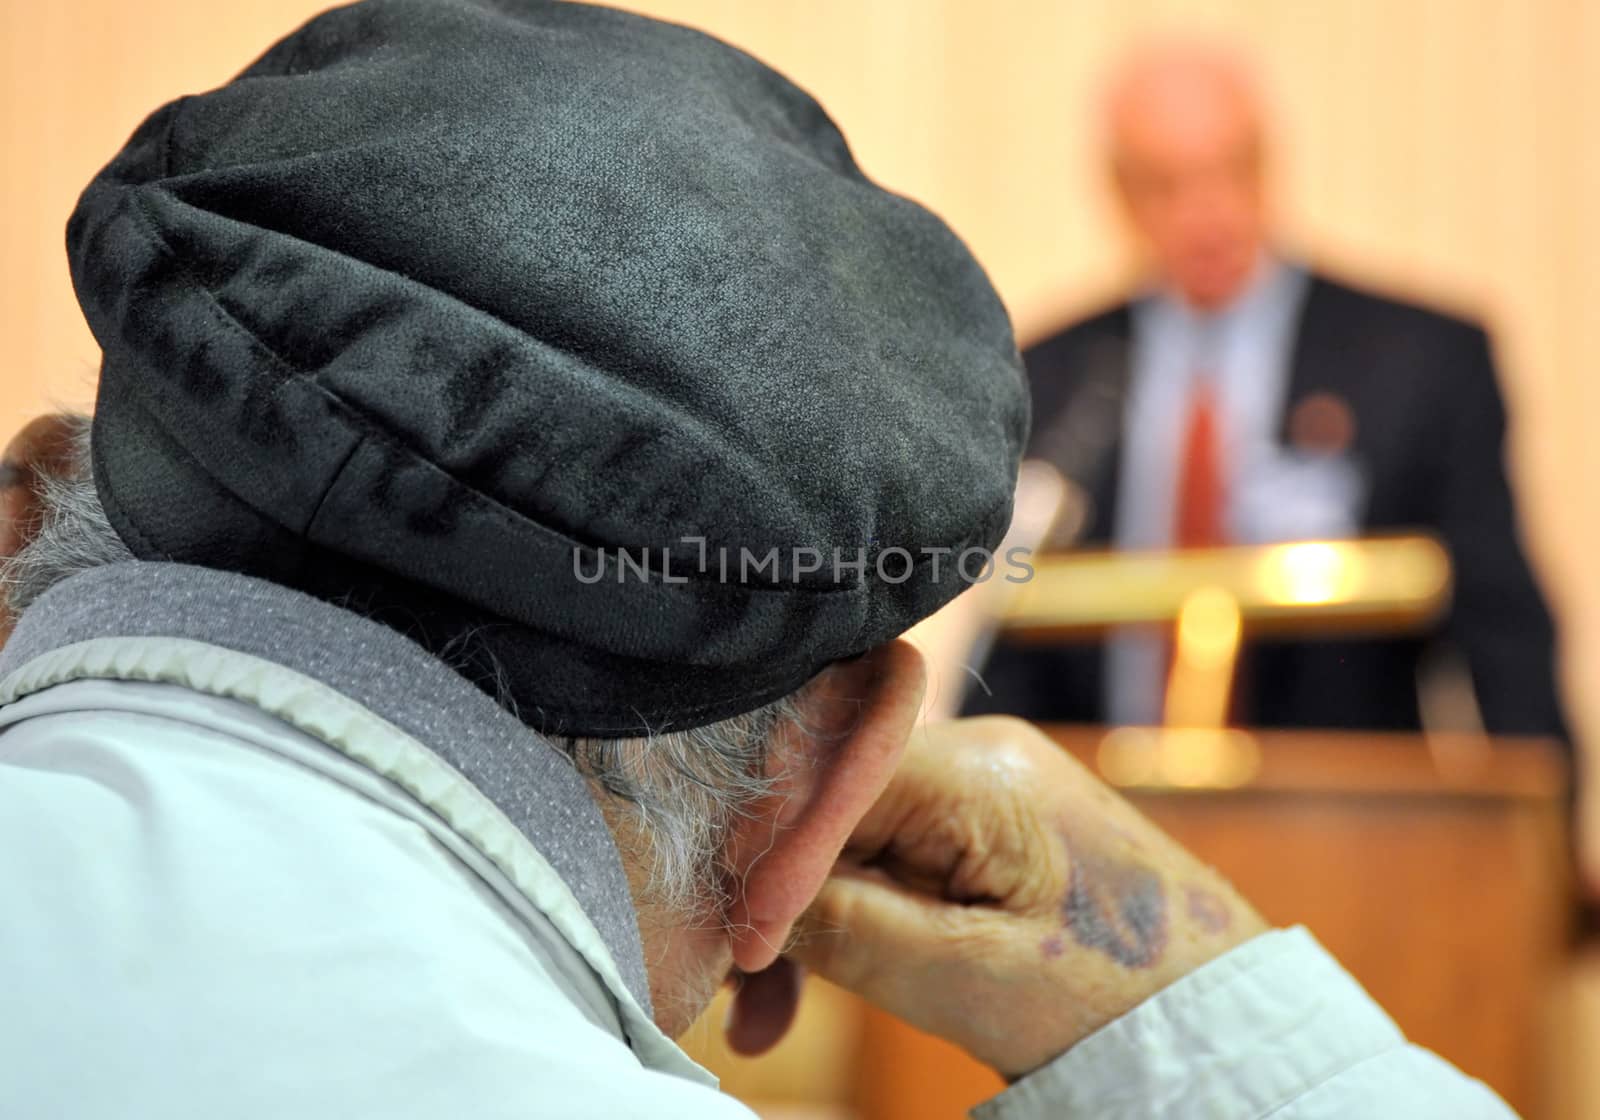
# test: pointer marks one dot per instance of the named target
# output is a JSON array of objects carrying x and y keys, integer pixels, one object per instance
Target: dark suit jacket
[{"x": 1429, "y": 428}]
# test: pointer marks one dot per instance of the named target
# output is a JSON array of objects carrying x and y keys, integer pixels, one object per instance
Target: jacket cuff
[{"x": 1240, "y": 1036}]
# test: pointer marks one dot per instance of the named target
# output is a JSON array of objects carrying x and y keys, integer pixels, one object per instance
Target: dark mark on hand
[
  {"x": 1206, "y": 910},
  {"x": 1115, "y": 906}
]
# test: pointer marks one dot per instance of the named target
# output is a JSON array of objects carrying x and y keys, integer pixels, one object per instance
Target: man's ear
[
  {"x": 45, "y": 444},
  {"x": 856, "y": 719}
]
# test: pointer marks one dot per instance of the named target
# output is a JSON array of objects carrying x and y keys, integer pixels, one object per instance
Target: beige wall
[{"x": 1444, "y": 146}]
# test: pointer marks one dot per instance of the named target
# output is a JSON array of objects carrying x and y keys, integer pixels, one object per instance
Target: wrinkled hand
[{"x": 999, "y": 896}]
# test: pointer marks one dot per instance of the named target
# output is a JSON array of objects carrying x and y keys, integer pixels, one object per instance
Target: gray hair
[{"x": 679, "y": 791}]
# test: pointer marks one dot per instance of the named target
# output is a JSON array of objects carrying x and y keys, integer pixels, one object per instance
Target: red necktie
[
  {"x": 1200, "y": 498},
  {"x": 1200, "y": 502}
]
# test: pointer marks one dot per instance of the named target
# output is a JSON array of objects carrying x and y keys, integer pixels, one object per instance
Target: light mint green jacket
[{"x": 230, "y": 890}]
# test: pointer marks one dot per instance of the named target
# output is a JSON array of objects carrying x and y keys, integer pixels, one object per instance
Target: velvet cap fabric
[{"x": 504, "y": 322}]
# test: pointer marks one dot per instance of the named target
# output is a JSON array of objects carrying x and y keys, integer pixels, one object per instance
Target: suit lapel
[
  {"x": 1315, "y": 364},
  {"x": 1115, "y": 359}
]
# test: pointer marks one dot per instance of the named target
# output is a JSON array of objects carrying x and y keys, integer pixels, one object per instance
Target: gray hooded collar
[{"x": 526, "y": 777}]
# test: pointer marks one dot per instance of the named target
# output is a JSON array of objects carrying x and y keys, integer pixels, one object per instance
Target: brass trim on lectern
[
  {"x": 1209, "y": 598},
  {"x": 1396, "y": 583}
]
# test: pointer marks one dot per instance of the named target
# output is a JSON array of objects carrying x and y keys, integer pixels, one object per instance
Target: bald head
[{"x": 1184, "y": 132}]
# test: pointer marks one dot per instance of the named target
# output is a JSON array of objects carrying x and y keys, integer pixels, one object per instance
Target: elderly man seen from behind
[{"x": 467, "y": 634}]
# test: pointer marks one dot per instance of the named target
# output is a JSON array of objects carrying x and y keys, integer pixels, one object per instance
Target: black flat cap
[{"x": 563, "y": 340}]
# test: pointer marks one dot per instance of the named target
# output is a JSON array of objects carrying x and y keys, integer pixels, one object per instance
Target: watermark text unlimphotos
[{"x": 804, "y": 565}]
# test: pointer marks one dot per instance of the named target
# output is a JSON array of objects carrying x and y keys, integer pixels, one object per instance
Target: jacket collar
[{"x": 531, "y": 782}]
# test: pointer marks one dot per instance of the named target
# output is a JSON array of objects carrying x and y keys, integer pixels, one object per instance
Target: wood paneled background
[{"x": 1444, "y": 147}]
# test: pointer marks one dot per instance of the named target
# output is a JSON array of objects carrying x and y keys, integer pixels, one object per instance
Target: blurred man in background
[{"x": 1243, "y": 398}]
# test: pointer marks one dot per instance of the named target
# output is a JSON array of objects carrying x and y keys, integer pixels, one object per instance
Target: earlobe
[{"x": 858, "y": 717}]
